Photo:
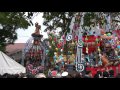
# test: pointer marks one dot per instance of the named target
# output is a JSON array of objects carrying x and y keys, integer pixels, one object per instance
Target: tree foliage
[
  {"x": 9, "y": 23},
  {"x": 54, "y": 20}
]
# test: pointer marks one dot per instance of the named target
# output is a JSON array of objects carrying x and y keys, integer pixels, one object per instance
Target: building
[{"x": 15, "y": 51}]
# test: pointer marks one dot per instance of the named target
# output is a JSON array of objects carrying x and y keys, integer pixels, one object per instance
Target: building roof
[{"x": 14, "y": 48}]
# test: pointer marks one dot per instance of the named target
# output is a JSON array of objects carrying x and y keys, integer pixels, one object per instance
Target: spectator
[
  {"x": 49, "y": 73},
  {"x": 58, "y": 75},
  {"x": 98, "y": 74},
  {"x": 111, "y": 73},
  {"x": 88, "y": 74},
  {"x": 118, "y": 75},
  {"x": 78, "y": 75},
  {"x": 105, "y": 74}
]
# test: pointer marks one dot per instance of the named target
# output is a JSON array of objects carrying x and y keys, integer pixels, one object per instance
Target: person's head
[
  {"x": 89, "y": 73},
  {"x": 99, "y": 73},
  {"x": 111, "y": 72},
  {"x": 118, "y": 75},
  {"x": 16, "y": 75},
  {"x": 105, "y": 74},
  {"x": 78, "y": 75}
]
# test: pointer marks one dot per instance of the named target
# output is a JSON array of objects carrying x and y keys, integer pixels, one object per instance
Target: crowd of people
[{"x": 64, "y": 73}]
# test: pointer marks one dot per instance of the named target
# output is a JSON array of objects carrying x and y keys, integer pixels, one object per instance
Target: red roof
[{"x": 15, "y": 47}]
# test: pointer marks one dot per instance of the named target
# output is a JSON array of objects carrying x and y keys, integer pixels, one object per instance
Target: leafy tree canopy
[
  {"x": 9, "y": 23},
  {"x": 54, "y": 20}
]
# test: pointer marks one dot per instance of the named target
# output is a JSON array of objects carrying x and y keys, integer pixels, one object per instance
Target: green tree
[
  {"x": 54, "y": 20},
  {"x": 9, "y": 23}
]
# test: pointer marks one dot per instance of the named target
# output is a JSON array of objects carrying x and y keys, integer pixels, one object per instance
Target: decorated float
[{"x": 35, "y": 53}]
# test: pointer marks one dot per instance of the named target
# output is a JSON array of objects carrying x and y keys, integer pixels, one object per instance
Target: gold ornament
[{"x": 56, "y": 49}]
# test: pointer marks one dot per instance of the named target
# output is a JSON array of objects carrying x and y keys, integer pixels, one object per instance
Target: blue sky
[{"x": 24, "y": 35}]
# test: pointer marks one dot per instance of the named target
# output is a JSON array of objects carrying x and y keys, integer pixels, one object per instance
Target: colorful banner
[{"x": 95, "y": 69}]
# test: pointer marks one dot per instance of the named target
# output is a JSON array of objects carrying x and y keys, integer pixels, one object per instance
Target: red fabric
[
  {"x": 94, "y": 70},
  {"x": 91, "y": 38},
  {"x": 91, "y": 48}
]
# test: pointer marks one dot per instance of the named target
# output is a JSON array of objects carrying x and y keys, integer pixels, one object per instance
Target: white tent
[{"x": 8, "y": 65}]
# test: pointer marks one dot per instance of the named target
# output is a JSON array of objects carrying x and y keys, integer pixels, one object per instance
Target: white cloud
[{"x": 24, "y": 35}]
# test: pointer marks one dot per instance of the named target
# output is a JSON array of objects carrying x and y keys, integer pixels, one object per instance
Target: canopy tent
[{"x": 10, "y": 66}]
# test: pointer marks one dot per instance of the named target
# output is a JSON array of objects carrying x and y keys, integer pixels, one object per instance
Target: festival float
[
  {"x": 95, "y": 47},
  {"x": 98, "y": 47},
  {"x": 35, "y": 52}
]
